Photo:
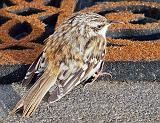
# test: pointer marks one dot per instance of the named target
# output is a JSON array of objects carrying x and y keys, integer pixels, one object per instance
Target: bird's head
[
  {"x": 95, "y": 22},
  {"x": 84, "y": 25}
]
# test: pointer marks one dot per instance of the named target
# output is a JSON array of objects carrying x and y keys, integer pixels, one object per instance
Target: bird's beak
[{"x": 115, "y": 22}]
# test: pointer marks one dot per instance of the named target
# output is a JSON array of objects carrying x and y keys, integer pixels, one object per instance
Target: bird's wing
[
  {"x": 61, "y": 90},
  {"x": 36, "y": 67},
  {"x": 77, "y": 74},
  {"x": 30, "y": 101}
]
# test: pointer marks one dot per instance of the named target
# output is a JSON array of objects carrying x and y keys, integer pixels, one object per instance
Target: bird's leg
[
  {"x": 96, "y": 75},
  {"x": 100, "y": 73}
]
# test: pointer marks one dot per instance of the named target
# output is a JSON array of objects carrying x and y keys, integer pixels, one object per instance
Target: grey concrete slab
[{"x": 101, "y": 102}]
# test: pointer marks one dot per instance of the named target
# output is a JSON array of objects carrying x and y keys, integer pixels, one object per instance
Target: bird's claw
[{"x": 95, "y": 77}]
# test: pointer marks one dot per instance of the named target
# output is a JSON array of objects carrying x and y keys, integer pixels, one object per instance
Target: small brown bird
[{"x": 73, "y": 54}]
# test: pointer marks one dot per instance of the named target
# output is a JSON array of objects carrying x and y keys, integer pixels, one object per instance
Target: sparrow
[{"x": 71, "y": 55}]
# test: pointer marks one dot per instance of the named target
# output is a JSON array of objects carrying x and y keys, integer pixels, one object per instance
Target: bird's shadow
[{"x": 12, "y": 73}]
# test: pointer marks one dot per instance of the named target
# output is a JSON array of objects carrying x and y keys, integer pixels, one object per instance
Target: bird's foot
[
  {"x": 95, "y": 77},
  {"x": 100, "y": 73}
]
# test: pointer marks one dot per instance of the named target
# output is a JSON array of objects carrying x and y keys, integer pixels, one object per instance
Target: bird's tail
[{"x": 32, "y": 99}]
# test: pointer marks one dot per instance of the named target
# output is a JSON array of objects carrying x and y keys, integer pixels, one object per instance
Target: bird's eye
[{"x": 100, "y": 26}]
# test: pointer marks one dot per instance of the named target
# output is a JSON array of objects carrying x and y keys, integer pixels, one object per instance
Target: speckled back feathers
[{"x": 71, "y": 55}]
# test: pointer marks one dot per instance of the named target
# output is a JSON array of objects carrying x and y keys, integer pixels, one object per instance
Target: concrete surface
[
  {"x": 101, "y": 102},
  {"x": 120, "y": 70}
]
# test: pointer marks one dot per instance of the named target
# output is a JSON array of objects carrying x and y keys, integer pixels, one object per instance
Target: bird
[{"x": 71, "y": 55}]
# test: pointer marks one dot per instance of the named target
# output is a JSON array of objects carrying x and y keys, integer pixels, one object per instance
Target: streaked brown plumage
[{"x": 73, "y": 54}]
